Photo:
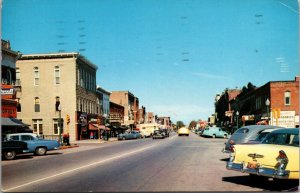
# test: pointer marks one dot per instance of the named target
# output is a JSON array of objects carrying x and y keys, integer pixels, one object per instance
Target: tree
[
  {"x": 180, "y": 124},
  {"x": 193, "y": 124}
]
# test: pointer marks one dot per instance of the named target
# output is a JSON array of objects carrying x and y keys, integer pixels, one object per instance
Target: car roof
[
  {"x": 270, "y": 130},
  {"x": 288, "y": 131}
]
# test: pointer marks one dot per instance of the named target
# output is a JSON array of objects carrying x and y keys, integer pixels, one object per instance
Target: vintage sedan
[
  {"x": 158, "y": 134},
  {"x": 214, "y": 132},
  {"x": 244, "y": 135},
  {"x": 130, "y": 135},
  {"x": 277, "y": 156}
]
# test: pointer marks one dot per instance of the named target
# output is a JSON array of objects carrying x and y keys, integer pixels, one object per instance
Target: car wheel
[
  {"x": 214, "y": 136},
  {"x": 40, "y": 151},
  {"x": 9, "y": 155},
  {"x": 124, "y": 138},
  {"x": 225, "y": 136}
]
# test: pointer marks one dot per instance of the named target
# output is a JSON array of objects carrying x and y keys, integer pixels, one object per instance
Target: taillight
[
  {"x": 282, "y": 160},
  {"x": 232, "y": 153}
]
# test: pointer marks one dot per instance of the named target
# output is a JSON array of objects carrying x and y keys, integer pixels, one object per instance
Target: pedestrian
[{"x": 92, "y": 135}]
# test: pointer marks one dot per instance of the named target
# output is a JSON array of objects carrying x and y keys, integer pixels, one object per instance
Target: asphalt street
[{"x": 173, "y": 164}]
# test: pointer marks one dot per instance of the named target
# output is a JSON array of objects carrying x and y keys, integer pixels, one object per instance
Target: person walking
[{"x": 92, "y": 135}]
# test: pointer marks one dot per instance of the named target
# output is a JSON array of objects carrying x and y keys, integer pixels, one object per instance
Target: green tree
[{"x": 180, "y": 124}]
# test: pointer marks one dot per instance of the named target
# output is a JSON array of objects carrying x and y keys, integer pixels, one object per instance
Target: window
[
  {"x": 36, "y": 76},
  {"x": 8, "y": 76},
  {"x": 57, "y": 75},
  {"x": 37, "y": 126},
  {"x": 55, "y": 127},
  {"x": 57, "y": 103},
  {"x": 36, "y": 104},
  {"x": 26, "y": 138},
  {"x": 16, "y": 138},
  {"x": 18, "y": 77},
  {"x": 287, "y": 98},
  {"x": 19, "y": 109}
]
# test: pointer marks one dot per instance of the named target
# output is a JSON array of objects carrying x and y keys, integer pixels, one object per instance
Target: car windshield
[{"x": 282, "y": 139}]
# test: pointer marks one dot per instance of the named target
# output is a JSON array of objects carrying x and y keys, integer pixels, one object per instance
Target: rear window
[
  {"x": 16, "y": 137},
  {"x": 242, "y": 130},
  {"x": 282, "y": 139}
]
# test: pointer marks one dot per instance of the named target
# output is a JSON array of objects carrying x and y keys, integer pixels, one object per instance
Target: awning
[
  {"x": 95, "y": 127},
  {"x": 11, "y": 122}
]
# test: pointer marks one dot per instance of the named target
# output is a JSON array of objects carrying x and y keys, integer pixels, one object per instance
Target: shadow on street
[{"x": 263, "y": 183}]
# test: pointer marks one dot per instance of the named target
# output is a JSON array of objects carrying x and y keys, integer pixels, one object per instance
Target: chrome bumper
[{"x": 260, "y": 171}]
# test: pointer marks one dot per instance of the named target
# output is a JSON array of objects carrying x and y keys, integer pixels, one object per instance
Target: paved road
[{"x": 173, "y": 164}]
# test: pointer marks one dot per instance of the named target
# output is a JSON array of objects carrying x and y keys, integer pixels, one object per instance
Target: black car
[
  {"x": 158, "y": 134},
  {"x": 11, "y": 148},
  {"x": 165, "y": 132}
]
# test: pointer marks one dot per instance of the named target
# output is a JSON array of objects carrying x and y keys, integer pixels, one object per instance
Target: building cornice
[{"x": 58, "y": 55}]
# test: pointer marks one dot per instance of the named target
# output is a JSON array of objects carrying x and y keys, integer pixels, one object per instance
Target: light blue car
[
  {"x": 35, "y": 144},
  {"x": 214, "y": 132}
]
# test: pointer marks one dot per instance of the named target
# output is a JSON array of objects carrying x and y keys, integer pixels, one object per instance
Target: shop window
[
  {"x": 55, "y": 127},
  {"x": 37, "y": 126},
  {"x": 287, "y": 98}
]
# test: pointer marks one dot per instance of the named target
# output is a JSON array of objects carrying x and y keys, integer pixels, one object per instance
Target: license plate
[{"x": 252, "y": 165}]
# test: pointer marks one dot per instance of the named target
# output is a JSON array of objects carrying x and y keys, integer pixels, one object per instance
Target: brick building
[{"x": 282, "y": 109}]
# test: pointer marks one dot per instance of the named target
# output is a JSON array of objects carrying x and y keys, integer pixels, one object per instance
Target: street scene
[
  {"x": 150, "y": 95},
  {"x": 173, "y": 164}
]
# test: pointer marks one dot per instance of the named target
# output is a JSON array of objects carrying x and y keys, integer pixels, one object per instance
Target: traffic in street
[{"x": 176, "y": 163}]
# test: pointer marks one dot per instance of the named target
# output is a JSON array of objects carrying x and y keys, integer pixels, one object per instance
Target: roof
[
  {"x": 288, "y": 131},
  {"x": 11, "y": 122},
  {"x": 58, "y": 55}
]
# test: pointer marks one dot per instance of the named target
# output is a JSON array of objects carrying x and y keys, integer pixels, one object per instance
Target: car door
[{"x": 31, "y": 142}]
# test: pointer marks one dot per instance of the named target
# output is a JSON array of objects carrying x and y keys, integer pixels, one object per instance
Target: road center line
[{"x": 82, "y": 167}]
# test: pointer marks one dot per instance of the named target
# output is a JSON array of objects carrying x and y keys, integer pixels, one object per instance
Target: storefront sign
[
  {"x": 286, "y": 119},
  {"x": 7, "y": 92}
]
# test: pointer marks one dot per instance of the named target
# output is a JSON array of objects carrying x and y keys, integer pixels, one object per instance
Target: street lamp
[
  {"x": 237, "y": 119},
  {"x": 268, "y": 106},
  {"x": 59, "y": 123}
]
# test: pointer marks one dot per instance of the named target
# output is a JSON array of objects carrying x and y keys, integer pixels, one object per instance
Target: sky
[{"x": 174, "y": 55}]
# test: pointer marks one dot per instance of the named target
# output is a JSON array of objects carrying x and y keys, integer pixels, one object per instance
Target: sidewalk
[{"x": 86, "y": 141}]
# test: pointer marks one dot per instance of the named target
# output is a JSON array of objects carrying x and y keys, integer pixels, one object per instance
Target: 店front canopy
[{"x": 11, "y": 122}]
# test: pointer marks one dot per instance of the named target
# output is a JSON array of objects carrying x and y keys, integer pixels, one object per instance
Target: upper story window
[
  {"x": 57, "y": 103},
  {"x": 287, "y": 98},
  {"x": 36, "y": 104},
  {"x": 36, "y": 75},
  {"x": 18, "y": 77},
  {"x": 57, "y": 75}
]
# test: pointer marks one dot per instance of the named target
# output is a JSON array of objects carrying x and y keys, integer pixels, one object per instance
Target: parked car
[
  {"x": 183, "y": 131},
  {"x": 244, "y": 135},
  {"x": 11, "y": 148},
  {"x": 214, "y": 132},
  {"x": 277, "y": 156},
  {"x": 158, "y": 134},
  {"x": 35, "y": 144},
  {"x": 130, "y": 135}
]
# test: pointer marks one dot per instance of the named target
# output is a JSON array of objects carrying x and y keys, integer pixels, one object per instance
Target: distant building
[
  {"x": 130, "y": 104},
  {"x": 150, "y": 117}
]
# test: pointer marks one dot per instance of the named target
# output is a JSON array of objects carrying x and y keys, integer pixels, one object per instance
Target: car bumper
[
  {"x": 225, "y": 151},
  {"x": 260, "y": 171}
]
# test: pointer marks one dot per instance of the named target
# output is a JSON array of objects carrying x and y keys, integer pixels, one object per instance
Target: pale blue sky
[{"x": 174, "y": 55}]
